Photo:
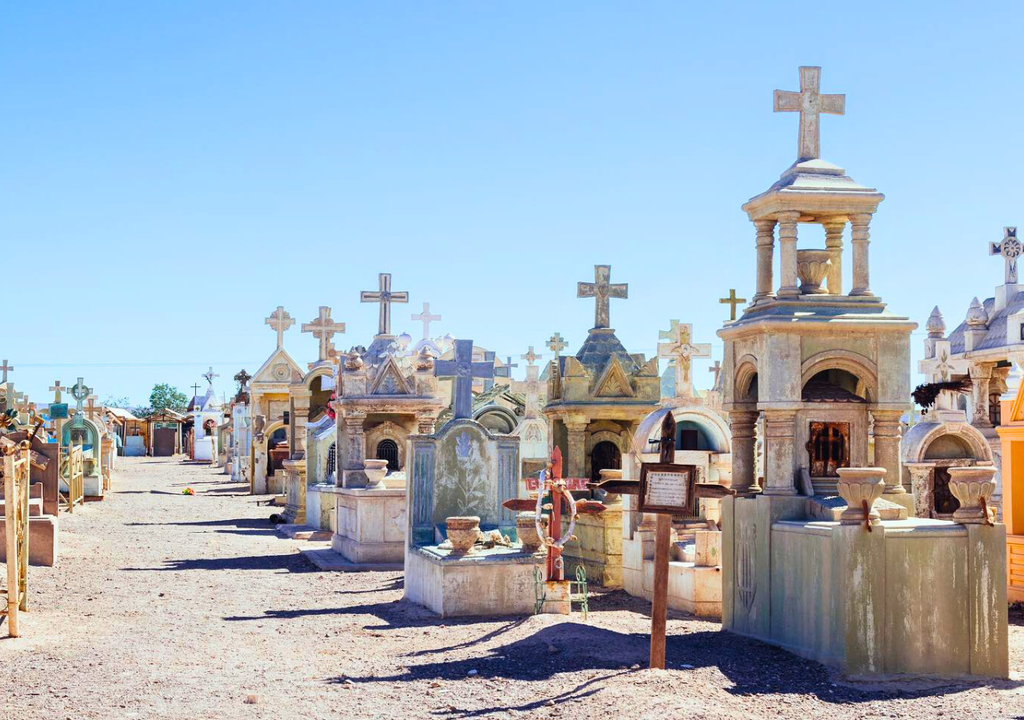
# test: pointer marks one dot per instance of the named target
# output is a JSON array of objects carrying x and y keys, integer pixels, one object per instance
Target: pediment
[
  {"x": 390, "y": 380},
  {"x": 278, "y": 368},
  {"x": 613, "y": 381}
]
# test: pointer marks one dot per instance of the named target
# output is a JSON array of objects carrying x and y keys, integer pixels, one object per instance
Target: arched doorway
[
  {"x": 277, "y": 450},
  {"x": 388, "y": 450},
  {"x": 605, "y": 456}
]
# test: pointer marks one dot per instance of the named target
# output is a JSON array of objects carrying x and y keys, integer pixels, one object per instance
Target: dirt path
[{"x": 168, "y": 606}]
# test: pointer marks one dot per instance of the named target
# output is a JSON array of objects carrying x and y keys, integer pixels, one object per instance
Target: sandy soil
[{"x": 169, "y": 606}]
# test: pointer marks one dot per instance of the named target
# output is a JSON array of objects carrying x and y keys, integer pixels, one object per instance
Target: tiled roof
[
  {"x": 996, "y": 335},
  {"x": 598, "y": 349}
]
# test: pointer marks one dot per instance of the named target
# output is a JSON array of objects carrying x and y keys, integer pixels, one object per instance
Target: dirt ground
[{"x": 170, "y": 606}]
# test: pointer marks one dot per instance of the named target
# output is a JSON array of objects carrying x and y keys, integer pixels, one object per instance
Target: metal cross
[
  {"x": 810, "y": 105},
  {"x": 4, "y": 368},
  {"x": 426, "y": 318},
  {"x": 323, "y": 329},
  {"x": 280, "y": 321},
  {"x": 557, "y": 344},
  {"x": 716, "y": 369},
  {"x": 1009, "y": 248},
  {"x": 732, "y": 301},
  {"x": 602, "y": 290},
  {"x": 56, "y": 389},
  {"x": 680, "y": 350},
  {"x": 195, "y": 390},
  {"x": 462, "y": 369},
  {"x": 530, "y": 357},
  {"x": 80, "y": 392},
  {"x": 385, "y": 297}
]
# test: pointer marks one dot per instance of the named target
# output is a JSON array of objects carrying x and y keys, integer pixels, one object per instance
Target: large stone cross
[
  {"x": 323, "y": 329},
  {"x": 280, "y": 321},
  {"x": 682, "y": 352},
  {"x": 385, "y": 296},
  {"x": 462, "y": 369},
  {"x": 532, "y": 386},
  {"x": 4, "y": 368},
  {"x": 556, "y": 343},
  {"x": 210, "y": 375},
  {"x": 602, "y": 290},
  {"x": 426, "y": 318},
  {"x": 1009, "y": 248},
  {"x": 80, "y": 391},
  {"x": 810, "y": 105}
]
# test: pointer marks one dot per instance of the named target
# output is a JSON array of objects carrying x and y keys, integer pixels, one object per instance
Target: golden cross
[{"x": 732, "y": 301}]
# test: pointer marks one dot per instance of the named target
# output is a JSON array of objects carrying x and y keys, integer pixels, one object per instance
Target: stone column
[
  {"x": 741, "y": 426},
  {"x": 576, "y": 463},
  {"x": 765, "y": 252},
  {"x": 834, "y": 242},
  {"x": 779, "y": 475},
  {"x": 787, "y": 253},
  {"x": 981, "y": 379},
  {"x": 299, "y": 415},
  {"x": 859, "y": 236},
  {"x": 351, "y": 456},
  {"x": 921, "y": 486},
  {"x": 887, "y": 448}
]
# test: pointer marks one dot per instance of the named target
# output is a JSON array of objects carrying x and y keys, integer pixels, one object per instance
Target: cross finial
[
  {"x": 426, "y": 318},
  {"x": 385, "y": 296},
  {"x": 810, "y": 105},
  {"x": 280, "y": 321},
  {"x": 680, "y": 349},
  {"x": 602, "y": 291},
  {"x": 209, "y": 375},
  {"x": 530, "y": 357},
  {"x": 556, "y": 343},
  {"x": 1009, "y": 248},
  {"x": 323, "y": 329},
  {"x": 462, "y": 369},
  {"x": 4, "y": 368},
  {"x": 56, "y": 390},
  {"x": 732, "y": 301}
]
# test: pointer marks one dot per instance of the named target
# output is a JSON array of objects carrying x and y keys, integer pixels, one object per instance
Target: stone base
[
  {"x": 303, "y": 532},
  {"x": 42, "y": 540},
  {"x": 370, "y": 524},
  {"x": 295, "y": 491},
  {"x": 499, "y": 581},
  {"x": 598, "y": 547},
  {"x": 692, "y": 588},
  {"x": 93, "y": 486},
  {"x": 330, "y": 561},
  {"x": 557, "y": 594},
  {"x": 319, "y": 506}
]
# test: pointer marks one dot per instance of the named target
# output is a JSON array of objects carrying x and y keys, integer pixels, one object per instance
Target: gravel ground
[{"x": 169, "y": 606}]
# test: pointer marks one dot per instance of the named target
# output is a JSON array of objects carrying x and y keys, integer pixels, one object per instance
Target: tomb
[
  {"x": 595, "y": 401},
  {"x": 44, "y": 499},
  {"x": 207, "y": 417},
  {"x": 88, "y": 434},
  {"x": 165, "y": 432},
  {"x": 459, "y": 478},
  {"x": 842, "y": 580}
]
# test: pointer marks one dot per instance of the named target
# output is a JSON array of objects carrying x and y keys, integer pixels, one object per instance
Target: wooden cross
[
  {"x": 90, "y": 407},
  {"x": 56, "y": 389},
  {"x": 732, "y": 301},
  {"x": 716, "y": 369},
  {"x": 426, "y": 318},
  {"x": 323, "y": 329},
  {"x": 680, "y": 350},
  {"x": 1009, "y": 248},
  {"x": 602, "y": 290},
  {"x": 209, "y": 375},
  {"x": 462, "y": 369},
  {"x": 385, "y": 296},
  {"x": 557, "y": 344},
  {"x": 4, "y": 368},
  {"x": 280, "y": 321},
  {"x": 530, "y": 357},
  {"x": 810, "y": 105}
]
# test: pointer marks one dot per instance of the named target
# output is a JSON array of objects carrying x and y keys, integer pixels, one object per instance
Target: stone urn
[
  {"x": 375, "y": 471},
  {"x": 462, "y": 533},
  {"x": 526, "y": 529},
  {"x": 857, "y": 486},
  {"x": 973, "y": 487},
  {"x": 812, "y": 266}
]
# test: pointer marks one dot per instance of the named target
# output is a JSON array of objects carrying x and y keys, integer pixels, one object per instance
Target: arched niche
[
  {"x": 745, "y": 387},
  {"x": 497, "y": 419},
  {"x": 844, "y": 369}
]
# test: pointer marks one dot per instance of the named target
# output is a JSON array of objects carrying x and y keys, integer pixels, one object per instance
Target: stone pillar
[
  {"x": 779, "y": 475},
  {"x": 787, "y": 253},
  {"x": 887, "y": 448},
  {"x": 921, "y": 486},
  {"x": 351, "y": 455},
  {"x": 981, "y": 379},
  {"x": 834, "y": 242},
  {"x": 576, "y": 463},
  {"x": 859, "y": 236},
  {"x": 425, "y": 423},
  {"x": 741, "y": 426},
  {"x": 299, "y": 415},
  {"x": 765, "y": 253}
]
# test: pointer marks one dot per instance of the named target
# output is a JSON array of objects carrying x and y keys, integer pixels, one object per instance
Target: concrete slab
[
  {"x": 330, "y": 561},
  {"x": 303, "y": 532}
]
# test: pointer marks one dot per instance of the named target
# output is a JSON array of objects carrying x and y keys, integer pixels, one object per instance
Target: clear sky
[{"x": 171, "y": 172}]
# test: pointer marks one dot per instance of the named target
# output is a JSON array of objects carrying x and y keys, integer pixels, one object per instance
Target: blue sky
[{"x": 171, "y": 172}]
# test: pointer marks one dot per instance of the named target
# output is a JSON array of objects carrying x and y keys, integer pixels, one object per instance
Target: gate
[{"x": 163, "y": 442}]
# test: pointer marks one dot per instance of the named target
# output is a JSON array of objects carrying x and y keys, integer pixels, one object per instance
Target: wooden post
[
  {"x": 25, "y": 461},
  {"x": 662, "y": 541},
  {"x": 556, "y": 570},
  {"x": 10, "y": 489}
]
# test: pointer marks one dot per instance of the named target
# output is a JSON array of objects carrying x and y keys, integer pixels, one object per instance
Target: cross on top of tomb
[
  {"x": 530, "y": 357},
  {"x": 1010, "y": 248},
  {"x": 810, "y": 104},
  {"x": 195, "y": 390},
  {"x": 56, "y": 390},
  {"x": 671, "y": 333},
  {"x": 279, "y": 321},
  {"x": 80, "y": 391},
  {"x": 90, "y": 407},
  {"x": 532, "y": 387},
  {"x": 682, "y": 351},
  {"x": 556, "y": 343},
  {"x": 732, "y": 301},
  {"x": 507, "y": 370},
  {"x": 4, "y": 368},
  {"x": 426, "y": 318},
  {"x": 462, "y": 369},
  {"x": 385, "y": 296},
  {"x": 210, "y": 375},
  {"x": 602, "y": 290},
  {"x": 716, "y": 369},
  {"x": 323, "y": 329}
]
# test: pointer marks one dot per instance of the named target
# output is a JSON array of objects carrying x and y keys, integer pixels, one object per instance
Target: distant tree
[
  {"x": 118, "y": 402},
  {"x": 166, "y": 397}
]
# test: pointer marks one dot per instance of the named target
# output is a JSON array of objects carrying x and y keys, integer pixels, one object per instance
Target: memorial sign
[{"x": 667, "y": 488}]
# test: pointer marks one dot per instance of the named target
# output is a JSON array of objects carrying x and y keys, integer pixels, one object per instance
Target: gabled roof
[
  {"x": 995, "y": 336},
  {"x": 265, "y": 375}
]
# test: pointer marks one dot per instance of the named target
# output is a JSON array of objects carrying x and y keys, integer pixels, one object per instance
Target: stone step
[
  {"x": 304, "y": 532},
  {"x": 328, "y": 560}
]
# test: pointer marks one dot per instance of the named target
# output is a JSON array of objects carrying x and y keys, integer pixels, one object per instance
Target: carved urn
[
  {"x": 812, "y": 266},
  {"x": 860, "y": 488},
  {"x": 462, "y": 533},
  {"x": 526, "y": 529},
  {"x": 972, "y": 486},
  {"x": 375, "y": 471}
]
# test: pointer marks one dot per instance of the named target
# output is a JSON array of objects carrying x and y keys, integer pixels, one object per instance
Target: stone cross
[
  {"x": 716, "y": 369},
  {"x": 280, "y": 321},
  {"x": 462, "y": 369},
  {"x": 732, "y": 301},
  {"x": 1009, "y": 248},
  {"x": 80, "y": 391},
  {"x": 532, "y": 387},
  {"x": 680, "y": 350},
  {"x": 210, "y": 375},
  {"x": 56, "y": 389},
  {"x": 602, "y": 290},
  {"x": 426, "y": 318},
  {"x": 323, "y": 329},
  {"x": 670, "y": 334},
  {"x": 4, "y": 368},
  {"x": 530, "y": 357},
  {"x": 810, "y": 105},
  {"x": 556, "y": 343},
  {"x": 385, "y": 297}
]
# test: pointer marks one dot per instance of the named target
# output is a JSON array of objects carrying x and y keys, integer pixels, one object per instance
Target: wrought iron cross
[
  {"x": 810, "y": 104},
  {"x": 732, "y": 301},
  {"x": 462, "y": 369},
  {"x": 1009, "y": 248},
  {"x": 556, "y": 343},
  {"x": 385, "y": 296},
  {"x": 323, "y": 329},
  {"x": 280, "y": 321},
  {"x": 426, "y": 318},
  {"x": 602, "y": 290}
]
